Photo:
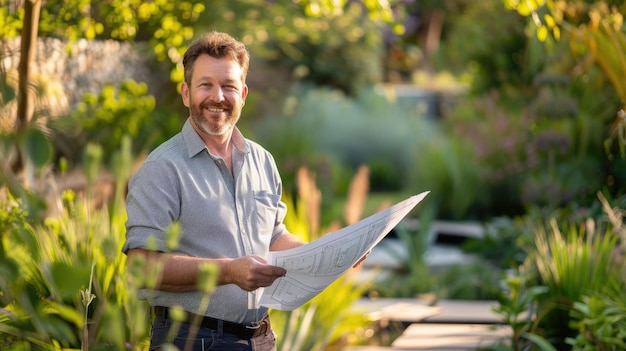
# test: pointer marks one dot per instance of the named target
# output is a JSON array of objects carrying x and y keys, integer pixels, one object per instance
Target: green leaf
[
  {"x": 114, "y": 334},
  {"x": 69, "y": 280},
  {"x": 6, "y": 90},
  {"x": 542, "y": 343},
  {"x": 65, "y": 312},
  {"x": 36, "y": 147},
  {"x": 207, "y": 278},
  {"x": 173, "y": 234}
]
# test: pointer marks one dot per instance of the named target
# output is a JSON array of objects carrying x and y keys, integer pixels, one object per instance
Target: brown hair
[{"x": 217, "y": 45}]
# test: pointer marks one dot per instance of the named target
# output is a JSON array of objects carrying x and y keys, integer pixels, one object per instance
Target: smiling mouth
[{"x": 215, "y": 109}]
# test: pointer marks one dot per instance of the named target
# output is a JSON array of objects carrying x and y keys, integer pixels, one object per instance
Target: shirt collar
[{"x": 239, "y": 141}]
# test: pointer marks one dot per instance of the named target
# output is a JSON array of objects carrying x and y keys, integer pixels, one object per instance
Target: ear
[
  {"x": 184, "y": 93},
  {"x": 244, "y": 93}
]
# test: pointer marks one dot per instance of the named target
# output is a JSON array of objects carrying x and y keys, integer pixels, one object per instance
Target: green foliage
[
  {"x": 64, "y": 282},
  {"x": 500, "y": 244},
  {"x": 537, "y": 157},
  {"x": 573, "y": 271},
  {"x": 377, "y": 10},
  {"x": 571, "y": 265},
  {"x": 498, "y": 138},
  {"x": 596, "y": 30},
  {"x": 10, "y": 23},
  {"x": 404, "y": 150},
  {"x": 166, "y": 25},
  {"x": 542, "y": 153},
  {"x": 601, "y": 323},
  {"x": 476, "y": 280},
  {"x": 515, "y": 308},
  {"x": 36, "y": 151},
  {"x": 443, "y": 165},
  {"x": 36, "y": 147},
  {"x": 574, "y": 260},
  {"x": 105, "y": 119},
  {"x": 335, "y": 46},
  {"x": 489, "y": 42},
  {"x": 539, "y": 139},
  {"x": 53, "y": 298},
  {"x": 383, "y": 175},
  {"x": 346, "y": 132},
  {"x": 414, "y": 277}
]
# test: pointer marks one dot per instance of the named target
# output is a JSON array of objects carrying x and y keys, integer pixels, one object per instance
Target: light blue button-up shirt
[{"x": 221, "y": 215}]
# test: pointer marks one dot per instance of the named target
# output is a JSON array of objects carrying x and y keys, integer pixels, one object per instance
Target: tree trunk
[
  {"x": 433, "y": 36},
  {"x": 28, "y": 50}
]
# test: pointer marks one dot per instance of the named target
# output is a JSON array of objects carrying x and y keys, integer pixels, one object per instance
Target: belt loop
[{"x": 220, "y": 328}]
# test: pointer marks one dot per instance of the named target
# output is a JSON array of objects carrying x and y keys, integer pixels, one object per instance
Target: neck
[
  {"x": 221, "y": 148},
  {"x": 218, "y": 146}
]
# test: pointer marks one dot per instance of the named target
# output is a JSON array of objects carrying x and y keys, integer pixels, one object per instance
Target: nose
[{"x": 217, "y": 94}]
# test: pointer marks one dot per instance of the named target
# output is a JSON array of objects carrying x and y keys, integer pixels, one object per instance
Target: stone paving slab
[
  {"x": 453, "y": 325},
  {"x": 401, "y": 310},
  {"x": 442, "y": 311},
  {"x": 443, "y": 337},
  {"x": 466, "y": 311},
  {"x": 423, "y": 336}
]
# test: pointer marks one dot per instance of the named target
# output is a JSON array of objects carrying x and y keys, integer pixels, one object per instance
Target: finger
[
  {"x": 268, "y": 282},
  {"x": 273, "y": 271}
]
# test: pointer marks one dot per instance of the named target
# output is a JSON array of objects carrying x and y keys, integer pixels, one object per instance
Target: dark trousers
[{"x": 206, "y": 339}]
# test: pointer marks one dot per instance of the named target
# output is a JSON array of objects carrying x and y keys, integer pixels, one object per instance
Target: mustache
[{"x": 208, "y": 104}]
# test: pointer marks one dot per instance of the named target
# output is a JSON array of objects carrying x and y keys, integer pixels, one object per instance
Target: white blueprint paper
[{"x": 314, "y": 266}]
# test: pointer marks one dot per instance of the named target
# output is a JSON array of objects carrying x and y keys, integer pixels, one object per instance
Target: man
[{"x": 225, "y": 192}]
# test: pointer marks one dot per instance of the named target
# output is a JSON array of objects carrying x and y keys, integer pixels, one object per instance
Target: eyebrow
[{"x": 228, "y": 80}]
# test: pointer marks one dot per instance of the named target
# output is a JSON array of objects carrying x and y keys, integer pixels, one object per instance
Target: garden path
[{"x": 447, "y": 325}]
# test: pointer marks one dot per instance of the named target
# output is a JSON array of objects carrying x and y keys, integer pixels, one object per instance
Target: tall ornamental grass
[{"x": 565, "y": 293}]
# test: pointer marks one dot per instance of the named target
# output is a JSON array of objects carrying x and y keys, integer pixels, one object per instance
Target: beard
[{"x": 214, "y": 123}]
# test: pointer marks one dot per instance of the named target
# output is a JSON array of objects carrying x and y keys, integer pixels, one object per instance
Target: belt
[{"x": 241, "y": 330}]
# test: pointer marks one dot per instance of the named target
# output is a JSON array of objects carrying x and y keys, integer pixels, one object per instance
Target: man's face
[{"x": 215, "y": 95}]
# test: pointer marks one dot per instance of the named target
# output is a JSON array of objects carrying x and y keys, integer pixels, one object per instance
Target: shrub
[
  {"x": 63, "y": 279},
  {"x": 571, "y": 274},
  {"x": 105, "y": 119},
  {"x": 321, "y": 124}
]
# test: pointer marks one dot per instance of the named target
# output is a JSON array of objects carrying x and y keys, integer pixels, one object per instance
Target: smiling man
[{"x": 225, "y": 191}]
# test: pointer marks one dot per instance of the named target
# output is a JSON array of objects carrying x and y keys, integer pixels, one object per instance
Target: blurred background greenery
[
  {"x": 458, "y": 97},
  {"x": 509, "y": 112}
]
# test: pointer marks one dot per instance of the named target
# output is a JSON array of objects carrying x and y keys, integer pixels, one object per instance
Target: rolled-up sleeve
[{"x": 152, "y": 205}]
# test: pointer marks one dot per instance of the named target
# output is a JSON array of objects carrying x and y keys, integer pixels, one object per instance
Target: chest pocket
[{"x": 266, "y": 209}]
